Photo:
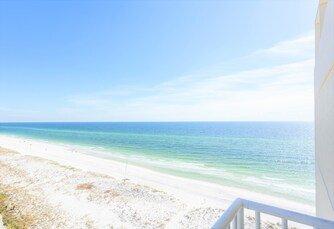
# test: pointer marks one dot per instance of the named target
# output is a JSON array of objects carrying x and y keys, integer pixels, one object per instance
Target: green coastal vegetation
[{"x": 9, "y": 219}]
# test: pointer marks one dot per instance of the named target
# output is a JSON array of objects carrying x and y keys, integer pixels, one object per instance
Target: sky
[{"x": 156, "y": 60}]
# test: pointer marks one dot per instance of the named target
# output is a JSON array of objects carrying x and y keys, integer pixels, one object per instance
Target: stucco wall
[{"x": 324, "y": 109}]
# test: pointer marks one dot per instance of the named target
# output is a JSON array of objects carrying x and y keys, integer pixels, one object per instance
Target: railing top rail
[
  {"x": 230, "y": 213},
  {"x": 289, "y": 215}
]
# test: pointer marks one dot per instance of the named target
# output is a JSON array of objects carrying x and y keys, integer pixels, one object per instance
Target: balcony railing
[{"x": 233, "y": 217}]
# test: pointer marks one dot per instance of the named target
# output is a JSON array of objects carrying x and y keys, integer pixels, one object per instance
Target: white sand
[{"x": 163, "y": 200}]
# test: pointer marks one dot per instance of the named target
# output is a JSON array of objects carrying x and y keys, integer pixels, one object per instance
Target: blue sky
[{"x": 156, "y": 61}]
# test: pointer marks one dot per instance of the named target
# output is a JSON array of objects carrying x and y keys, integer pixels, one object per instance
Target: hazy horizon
[{"x": 149, "y": 121}]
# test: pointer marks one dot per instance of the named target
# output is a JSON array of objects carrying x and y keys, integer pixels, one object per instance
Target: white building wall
[{"x": 324, "y": 109}]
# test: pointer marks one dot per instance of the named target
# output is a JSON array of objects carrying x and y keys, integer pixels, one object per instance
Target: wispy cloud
[
  {"x": 269, "y": 84},
  {"x": 300, "y": 47}
]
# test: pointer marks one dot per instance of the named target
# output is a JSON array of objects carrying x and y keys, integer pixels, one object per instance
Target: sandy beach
[{"x": 58, "y": 186}]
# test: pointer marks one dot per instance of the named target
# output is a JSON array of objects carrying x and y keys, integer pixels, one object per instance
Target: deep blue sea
[{"x": 276, "y": 158}]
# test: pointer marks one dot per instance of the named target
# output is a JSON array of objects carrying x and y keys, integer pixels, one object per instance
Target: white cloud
[
  {"x": 268, "y": 90},
  {"x": 301, "y": 47}
]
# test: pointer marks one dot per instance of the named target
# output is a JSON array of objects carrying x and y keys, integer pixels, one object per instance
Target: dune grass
[{"x": 10, "y": 220}]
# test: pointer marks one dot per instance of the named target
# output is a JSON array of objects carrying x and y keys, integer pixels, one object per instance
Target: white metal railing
[{"x": 234, "y": 216}]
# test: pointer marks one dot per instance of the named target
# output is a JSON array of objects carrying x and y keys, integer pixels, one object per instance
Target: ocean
[{"x": 275, "y": 158}]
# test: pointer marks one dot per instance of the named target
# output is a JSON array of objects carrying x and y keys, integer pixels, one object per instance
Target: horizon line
[{"x": 5, "y": 122}]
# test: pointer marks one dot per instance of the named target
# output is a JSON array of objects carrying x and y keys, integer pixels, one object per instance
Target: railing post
[
  {"x": 235, "y": 222},
  {"x": 257, "y": 220},
  {"x": 241, "y": 218},
  {"x": 284, "y": 223}
]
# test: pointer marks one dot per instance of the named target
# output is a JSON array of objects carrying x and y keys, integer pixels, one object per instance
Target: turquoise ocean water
[{"x": 275, "y": 158}]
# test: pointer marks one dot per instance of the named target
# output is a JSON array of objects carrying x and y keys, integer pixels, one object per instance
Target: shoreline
[{"x": 184, "y": 188}]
